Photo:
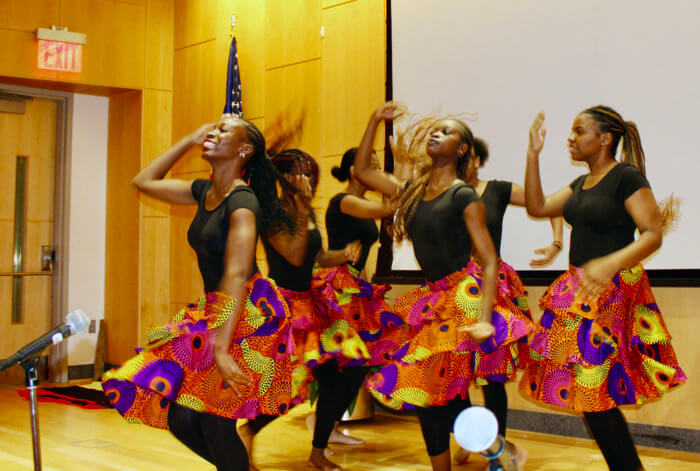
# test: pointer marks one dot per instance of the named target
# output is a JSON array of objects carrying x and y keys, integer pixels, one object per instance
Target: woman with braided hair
[
  {"x": 497, "y": 195},
  {"x": 227, "y": 356},
  {"x": 601, "y": 341},
  {"x": 452, "y": 317},
  {"x": 323, "y": 340}
]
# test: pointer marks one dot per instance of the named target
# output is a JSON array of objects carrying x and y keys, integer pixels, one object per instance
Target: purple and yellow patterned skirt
[
  {"x": 178, "y": 363},
  {"x": 440, "y": 361},
  {"x": 505, "y": 359},
  {"x": 361, "y": 305},
  {"x": 595, "y": 357}
]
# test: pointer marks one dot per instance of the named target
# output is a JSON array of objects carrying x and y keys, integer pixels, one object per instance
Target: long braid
[{"x": 611, "y": 121}]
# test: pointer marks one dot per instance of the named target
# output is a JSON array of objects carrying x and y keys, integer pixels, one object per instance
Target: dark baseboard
[{"x": 80, "y": 371}]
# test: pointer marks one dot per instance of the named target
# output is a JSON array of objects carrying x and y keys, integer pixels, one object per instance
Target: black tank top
[
  {"x": 290, "y": 276},
  {"x": 600, "y": 223},
  {"x": 343, "y": 229},
  {"x": 440, "y": 239},
  {"x": 496, "y": 198},
  {"x": 209, "y": 229}
]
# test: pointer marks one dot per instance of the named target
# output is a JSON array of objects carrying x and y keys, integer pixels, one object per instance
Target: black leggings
[
  {"x": 336, "y": 391},
  {"x": 496, "y": 400},
  {"x": 436, "y": 424},
  {"x": 609, "y": 428},
  {"x": 212, "y": 437}
]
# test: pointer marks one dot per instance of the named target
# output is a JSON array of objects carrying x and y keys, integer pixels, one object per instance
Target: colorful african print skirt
[
  {"x": 595, "y": 357},
  {"x": 361, "y": 305},
  {"x": 319, "y": 335},
  {"x": 440, "y": 361},
  {"x": 178, "y": 363},
  {"x": 505, "y": 359}
]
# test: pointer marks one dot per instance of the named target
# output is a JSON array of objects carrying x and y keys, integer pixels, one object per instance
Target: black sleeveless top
[
  {"x": 209, "y": 229},
  {"x": 343, "y": 229},
  {"x": 496, "y": 198},
  {"x": 600, "y": 224},
  {"x": 290, "y": 276},
  {"x": 440, "y": 239}
]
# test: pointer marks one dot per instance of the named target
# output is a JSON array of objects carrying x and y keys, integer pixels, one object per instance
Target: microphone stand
[{"x": 31, "y": 378}]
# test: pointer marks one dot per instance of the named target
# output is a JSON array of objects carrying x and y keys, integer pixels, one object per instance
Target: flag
[{"x": 233, "y": 83}]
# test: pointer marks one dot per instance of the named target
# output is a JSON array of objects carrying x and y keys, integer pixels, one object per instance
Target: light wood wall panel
[
  {"x": 160, "y": 36},
  {"x": 354, "y": 58},
  {"x": 154, "y": 276},
  {"x": 195, "y": 22},
  {"x": 28, "y": 15},
  {"x": 292, "y": 31},
  {"x": 296, "y": 89},
  {"x": 157, "y": 138},
  {"x": 116, "y": 38},
  {"x": 19, "y": 56},
  {"x": 195, "y": 99},
  {"x": 122, "y": 227}
]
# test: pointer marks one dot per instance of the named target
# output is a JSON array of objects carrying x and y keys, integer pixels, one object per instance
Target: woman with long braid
[
  {"x": 226, "y": 357},
  {"x": 321, "y": 342},
  {"x": 452, "y": 316},
  {"x": 601, "y": 341},
  {"x": 497, "y": 195}
]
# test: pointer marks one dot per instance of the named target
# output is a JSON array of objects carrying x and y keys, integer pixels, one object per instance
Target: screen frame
[{"x": 385, "y": 274}]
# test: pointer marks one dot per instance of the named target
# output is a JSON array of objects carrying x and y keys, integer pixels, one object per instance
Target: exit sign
[{"x": 57, "y": 55}]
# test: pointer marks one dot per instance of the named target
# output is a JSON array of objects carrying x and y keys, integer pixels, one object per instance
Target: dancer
[
  {"x": 227, "y": 357},
  {"x": 322, "y": 340},
  {"x": 601, "y": 341},
  {"x": 497, "y": 196},
  {"x": 454, "y": 309}
]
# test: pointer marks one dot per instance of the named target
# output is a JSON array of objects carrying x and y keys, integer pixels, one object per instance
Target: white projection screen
[{"x": 507, "y": 59}]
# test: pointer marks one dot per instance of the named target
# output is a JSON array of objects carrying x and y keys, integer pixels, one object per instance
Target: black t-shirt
[
  {"x": 343, "y": 229},
  {"x": 600, "y": 224},
  {"x": 496, "y": 198},
  {"x": 290, "y": 276},
  {"x": 209, "y": 229},
  {"x": 440, "y": 239}
]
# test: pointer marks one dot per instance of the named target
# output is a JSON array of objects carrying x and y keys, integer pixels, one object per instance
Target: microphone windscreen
[
  {"x": 77, "y": 321},
  {"x": 476, "y": 429}
]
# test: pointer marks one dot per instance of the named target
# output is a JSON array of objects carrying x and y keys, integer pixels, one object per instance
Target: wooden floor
[{"x": 74, "y": 439}]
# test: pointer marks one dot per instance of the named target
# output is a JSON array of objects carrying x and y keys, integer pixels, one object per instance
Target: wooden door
[{"x": 27, "y": 164}]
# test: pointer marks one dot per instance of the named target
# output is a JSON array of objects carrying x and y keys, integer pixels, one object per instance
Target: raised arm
[
  {"x": 378, "y": 180},
  {"x": 475, "y": 218},
  {"x": 151, "y": 179},
  {"x": 238, "y": 265},
  {"x": 364, "y": 209},
  {"x": 537, "y": 204},
  {"x": 641, "y": 205}
]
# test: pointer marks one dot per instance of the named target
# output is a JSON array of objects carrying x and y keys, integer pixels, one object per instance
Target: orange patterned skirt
[
  {"x": 177, "y": 364},
  {"x": 440, "y": 361},
  {"x": 362, "y": 306},
  {"x": 595, "y": 357},
  {"x": 501, "y": 365}
]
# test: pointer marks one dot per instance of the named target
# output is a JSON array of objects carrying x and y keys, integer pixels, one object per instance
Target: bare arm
[
  {"x": 151, "y": 179},
  {"x": 238, "y": 264},
  {"x": 536, "y": 203},
  {"x": 475, "y": 219},
  {"x": 377, "y": 180},
  {"x": 332, "y": 258},
  {"x": 364, "y": 209},
  {"x": 550, "y": 252},
  {"x": 641, "y": 205}
]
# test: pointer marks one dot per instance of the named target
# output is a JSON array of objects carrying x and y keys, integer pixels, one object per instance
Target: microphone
[
  {"x": 75, "y": 323},
  {"x": 476, "y": 430}
]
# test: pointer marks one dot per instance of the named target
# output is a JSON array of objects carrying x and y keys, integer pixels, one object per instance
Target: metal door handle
[{"x": 48, "y": 257}]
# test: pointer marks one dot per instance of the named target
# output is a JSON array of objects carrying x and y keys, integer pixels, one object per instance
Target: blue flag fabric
[{"x": 233, "y": 105}]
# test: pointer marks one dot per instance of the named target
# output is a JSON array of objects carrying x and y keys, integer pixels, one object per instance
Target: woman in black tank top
[
  {"x": 495, "y": 369},
  {"x": 193, "y": 376},
  {"x": 322, "y": 339},
  {"x": 601, "y": 341},
  {"x": 452, "y": 317}
]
